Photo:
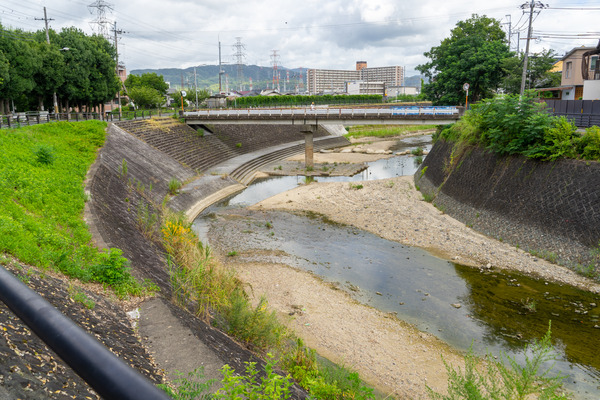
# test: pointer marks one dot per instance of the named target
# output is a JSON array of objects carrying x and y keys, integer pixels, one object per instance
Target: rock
[
  {"x": 325, "y": 151},
  {"x": 346, "y": 150},
  {"x": 456, "y": 305},
  {"x": 425, "y": 152},
  {"x": 371, "y": 151},
  {"x": 380, "y": 151}
]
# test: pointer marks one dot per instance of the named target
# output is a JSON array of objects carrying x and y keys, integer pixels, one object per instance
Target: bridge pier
[{"x": 308, "y": 131}]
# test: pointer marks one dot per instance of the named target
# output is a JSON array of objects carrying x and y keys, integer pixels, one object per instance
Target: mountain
[{"x": 207, "y": 76}]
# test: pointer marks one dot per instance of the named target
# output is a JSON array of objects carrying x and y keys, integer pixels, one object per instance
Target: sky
[{"x": 329, "y": 34}]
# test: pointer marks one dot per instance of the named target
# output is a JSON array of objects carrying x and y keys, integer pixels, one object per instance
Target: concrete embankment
[
  {"x": 549, "y": 208},
  {"x": 130, "y": 180}
]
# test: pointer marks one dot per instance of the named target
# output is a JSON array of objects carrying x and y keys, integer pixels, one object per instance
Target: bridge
[{"x": 332, "y": 116}]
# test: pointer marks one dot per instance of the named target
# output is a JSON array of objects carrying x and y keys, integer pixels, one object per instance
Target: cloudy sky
[{"x": 310, "y": 33}]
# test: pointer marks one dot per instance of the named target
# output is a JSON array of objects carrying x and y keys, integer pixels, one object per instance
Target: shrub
[
  {"x": 44, "y": 154},
  {"x": 112, "y": 269},
  {"x": 589, "y": 144}
]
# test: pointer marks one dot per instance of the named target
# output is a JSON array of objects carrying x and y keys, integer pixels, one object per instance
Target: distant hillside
[
  {"x": 208, "y": 77},
  {"x": 262, "y": 77}
]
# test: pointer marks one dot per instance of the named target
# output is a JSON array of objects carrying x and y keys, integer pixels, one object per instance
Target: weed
[
  {"x": 268, "y": 225},
  {"x": 279, "y": 167},
  {"x": 44, "y": 154},
  {"x": 146, "y": 219},
  {"x": 423, "y": 170},
  {"x": 238, "y": 145},
  {"x": 390, "y": 184},
  {"x": 428, "y": 197},
  {"x": 505, "y": 378},
  {"x": 124, "y": 168},
  {"x": 248, "y": 386},
  {"x": 174, "y": 186},
  {"x": 529, "y": 304},
  {"x": 418, "y": 160},
  {"x": 232, "y": 253},
  {"x": 417, "y": 152},
  {"x": 189, "y": 388},
  {"x": 356, "y": 186},
  {"x": 200, "y": 132},
  {"x": 546, "y": 255},
  {"x": 310, "y": 168},
  {"x": 80, "y": 297}
]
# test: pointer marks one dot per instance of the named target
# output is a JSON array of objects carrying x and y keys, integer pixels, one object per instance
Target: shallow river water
[{"x": 492, "y": 310}]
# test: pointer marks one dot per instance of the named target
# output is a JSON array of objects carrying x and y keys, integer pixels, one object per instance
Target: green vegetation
[
  {"x": 385, "y": 130},
  {"x": 519, "y": 125},
  {"x": 474, "y": 53},
  {"x": 288, "y": 100},
  {"x": 417, "y": 152},
  {"x": 80, "y": 69},
  {"x": 174, "y": 186},
  {"x": 220, "y": 298},
  {"x": 42, "y": 203},
  {"x": 505, "y": 378},
  {"x": 356, "y": 186},
  {"x": 80, "y": 297}
]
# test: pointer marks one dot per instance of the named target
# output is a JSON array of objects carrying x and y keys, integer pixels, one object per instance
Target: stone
[{"x": 456, "y": 305}]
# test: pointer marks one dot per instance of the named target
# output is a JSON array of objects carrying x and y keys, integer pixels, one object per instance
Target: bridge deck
[{"x": 320, "y": 116}]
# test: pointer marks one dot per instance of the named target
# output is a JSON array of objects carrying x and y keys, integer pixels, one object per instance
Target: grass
[
  {"x": 385, "y": 130},
  {"x": 504, "y": 378},
  {"x": 219, "y": 298},
  {"x": 42, "y": 200}
]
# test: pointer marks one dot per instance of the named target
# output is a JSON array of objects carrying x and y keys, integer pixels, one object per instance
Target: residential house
[{"x": 577, "y": 83}]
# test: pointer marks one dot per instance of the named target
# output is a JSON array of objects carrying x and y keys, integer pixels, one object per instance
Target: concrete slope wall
[{"x": 546, "y": 207}]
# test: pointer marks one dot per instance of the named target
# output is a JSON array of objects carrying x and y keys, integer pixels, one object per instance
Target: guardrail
[
  {"x": 323, "y": 113},
  {"x": 33, "y": 118},
  {"x": 108, "y": 375}
]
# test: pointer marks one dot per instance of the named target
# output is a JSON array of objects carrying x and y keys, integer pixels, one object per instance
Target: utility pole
[
  {"x": 196, "y": 87},
  {"x": 221, "y": 72},
  {"x": 117, "y": 32},
  {"x": 532, "y": 5},
  {"x": 46, "y": 19}
]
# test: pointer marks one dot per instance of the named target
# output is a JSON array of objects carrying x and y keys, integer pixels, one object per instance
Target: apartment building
[{"x": 335, "y": 81}]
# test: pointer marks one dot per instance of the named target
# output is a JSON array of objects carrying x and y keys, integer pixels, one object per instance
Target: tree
[
  {"x": 145, "y": 97},
  {"x": 474, "y": 54},
  {"x": 538, "y": 76},
  {"x": 148, "y": 79}
]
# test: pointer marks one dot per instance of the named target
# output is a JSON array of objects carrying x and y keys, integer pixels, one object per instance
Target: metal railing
[
  {"x": 33, "y": 118},
  {"x": 108, "y": 375}
]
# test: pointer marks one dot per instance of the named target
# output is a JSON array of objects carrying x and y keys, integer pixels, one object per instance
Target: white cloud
[{"x": 309, "y": 33}]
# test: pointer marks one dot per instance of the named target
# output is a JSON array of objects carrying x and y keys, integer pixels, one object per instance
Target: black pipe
[{"x": 108, "y": 375}]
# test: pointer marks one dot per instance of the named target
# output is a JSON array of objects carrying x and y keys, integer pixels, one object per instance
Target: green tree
[
  {"x": 145, "y": 97},
  {"x": 474, "y": 53},
  {"x": 538, "y": 76},
  {"x": 148, "y": 79}
]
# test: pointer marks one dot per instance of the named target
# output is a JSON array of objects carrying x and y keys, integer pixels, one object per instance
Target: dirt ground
[{"x": 390, "y": 354}]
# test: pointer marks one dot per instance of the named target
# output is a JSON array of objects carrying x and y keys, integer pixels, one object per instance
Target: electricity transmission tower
[
  {"x": 239, "y": 60},
  {"x": 103, "y": 24},
  {"x": 275, "y": 61}
]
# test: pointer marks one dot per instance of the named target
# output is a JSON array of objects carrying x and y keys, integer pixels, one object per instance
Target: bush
[
  {"x": 589, "y": 144},
  {"x": 112, "y": 269},
  {"x": 44, "y": 155}
]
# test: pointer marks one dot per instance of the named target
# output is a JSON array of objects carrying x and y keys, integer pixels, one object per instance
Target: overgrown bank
[{"x": 511, "y": 171}]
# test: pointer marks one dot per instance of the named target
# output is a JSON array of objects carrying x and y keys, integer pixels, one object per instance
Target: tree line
[{"x": 78, "y": 70}]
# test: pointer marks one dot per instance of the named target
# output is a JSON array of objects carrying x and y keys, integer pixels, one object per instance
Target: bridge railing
[
  {"x": 108, "y": 375},
  {"x": 326, "y": 113}
]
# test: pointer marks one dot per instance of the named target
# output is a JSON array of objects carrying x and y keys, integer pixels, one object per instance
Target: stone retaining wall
[{"x": 551, "y": 208}]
